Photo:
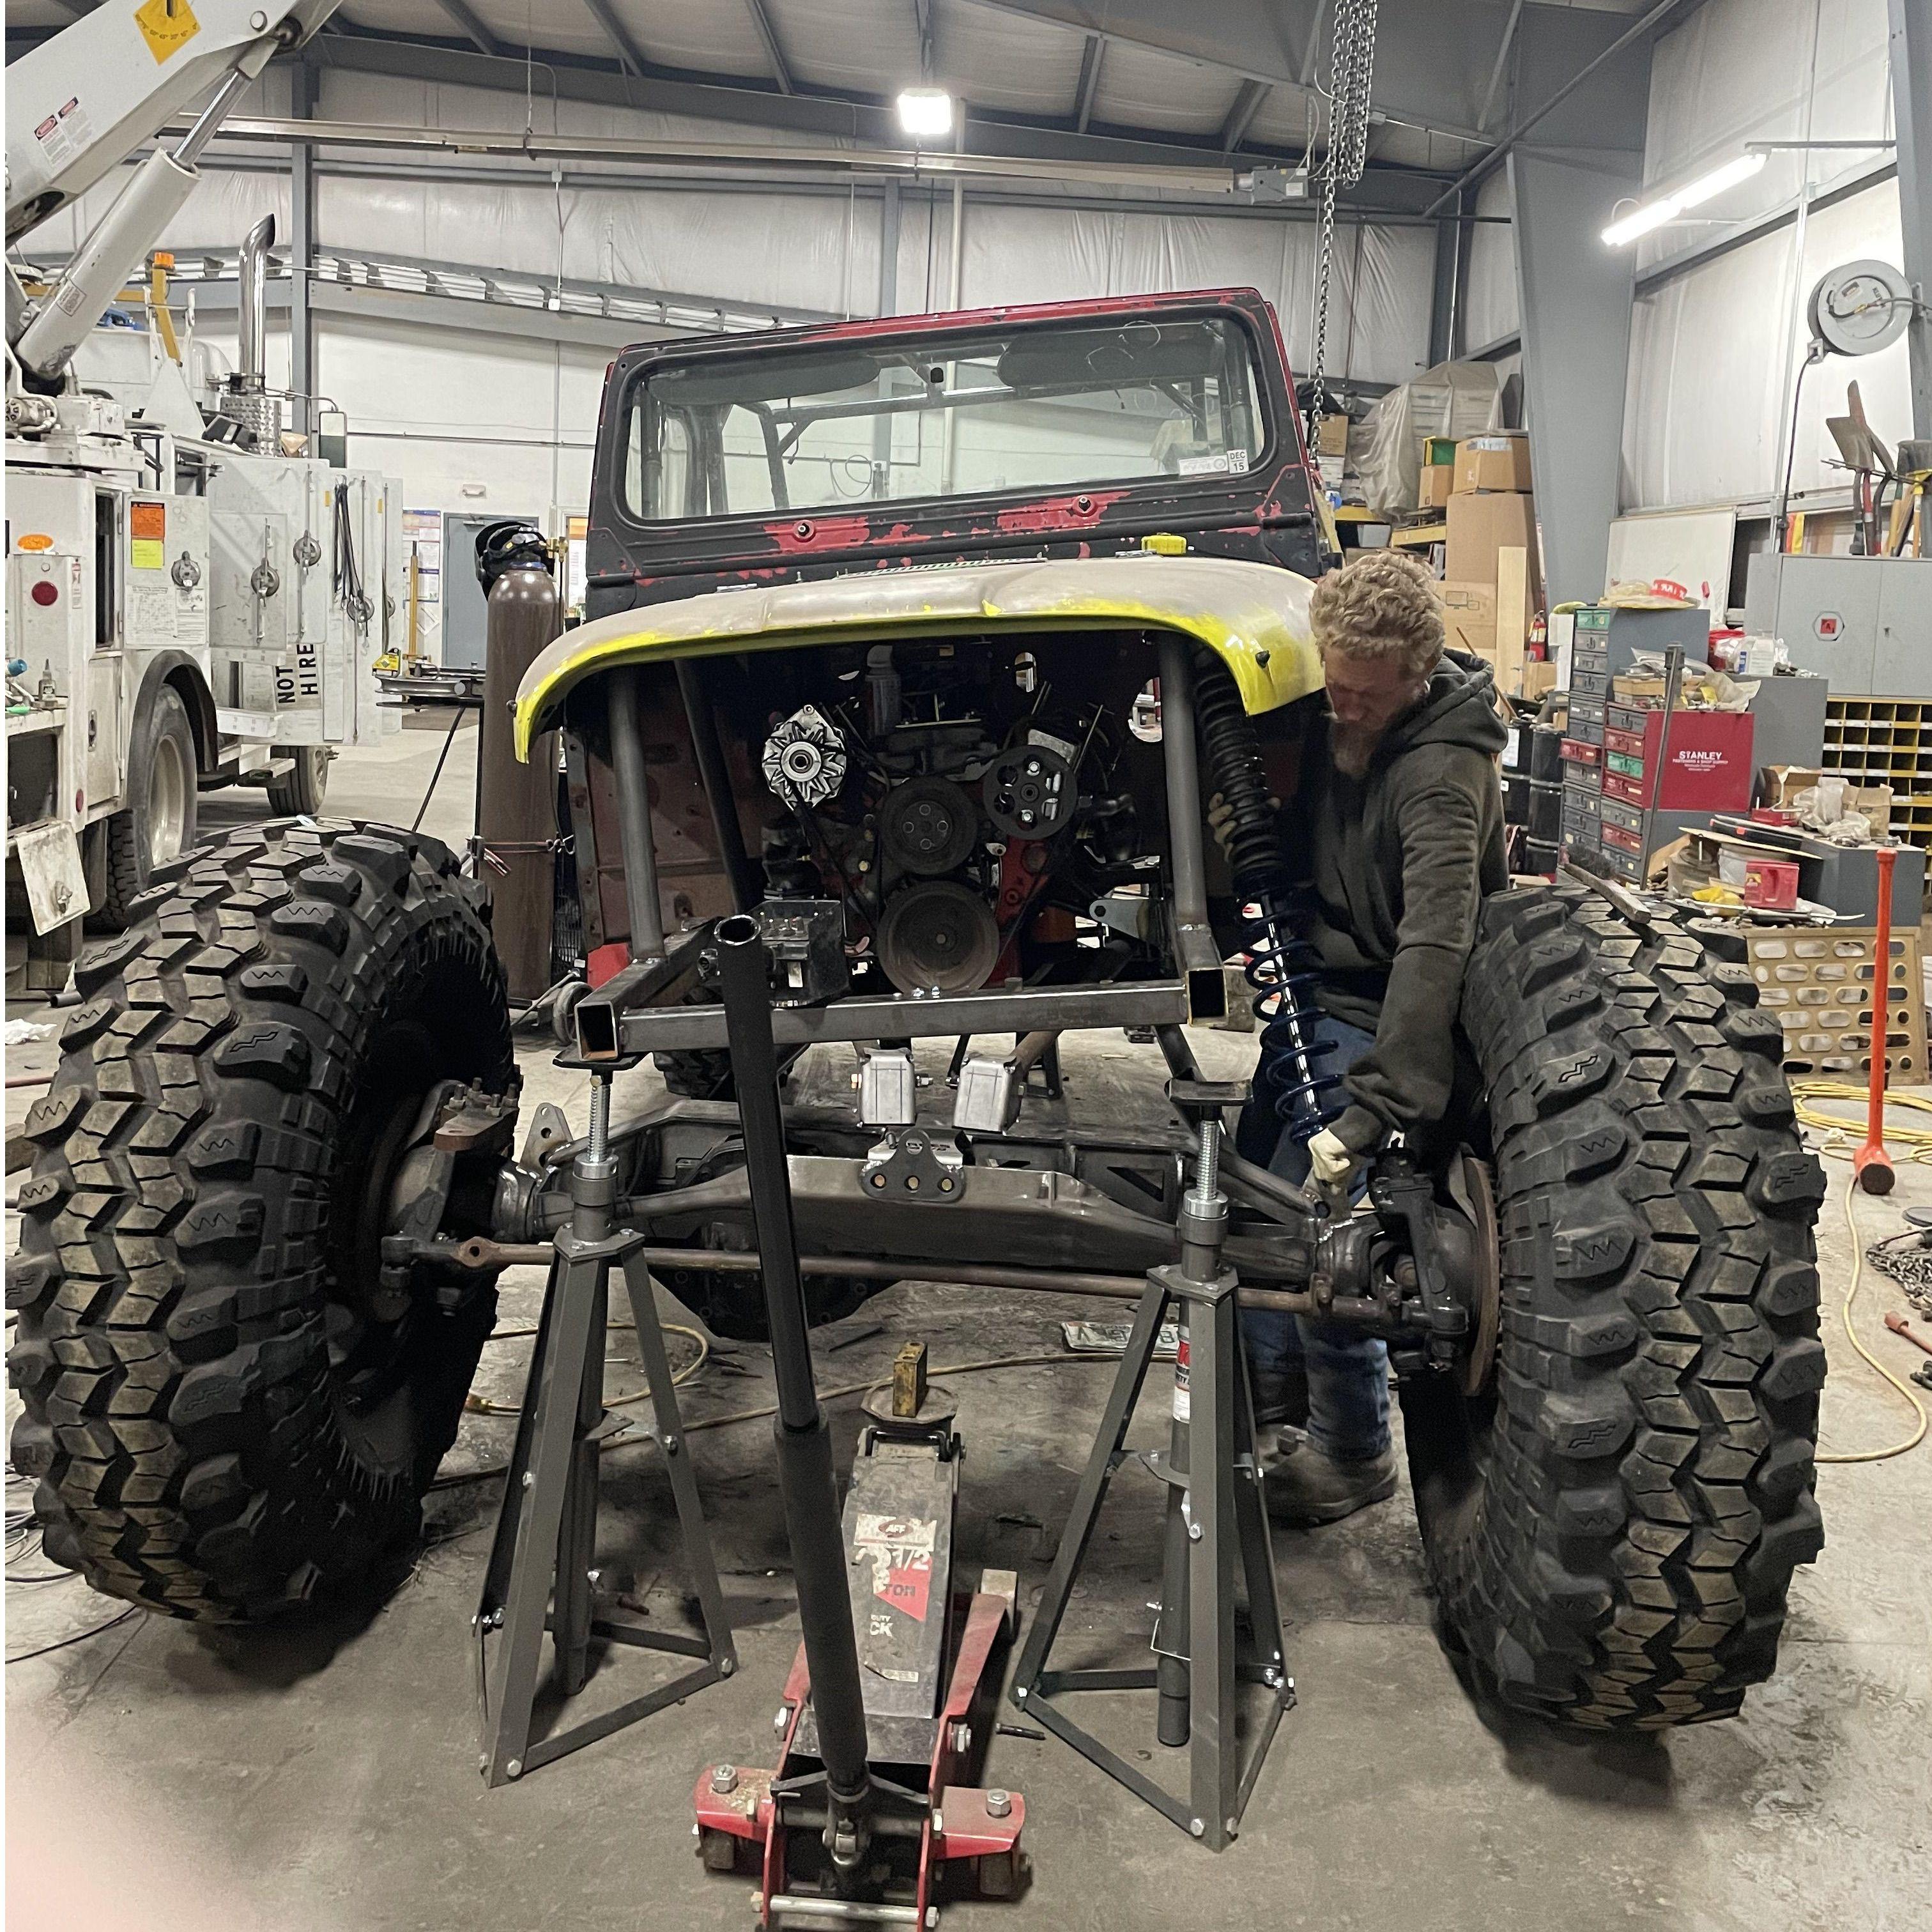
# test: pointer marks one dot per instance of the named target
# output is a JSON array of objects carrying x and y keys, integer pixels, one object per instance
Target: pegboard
[{"x": 1818, "y": 982}]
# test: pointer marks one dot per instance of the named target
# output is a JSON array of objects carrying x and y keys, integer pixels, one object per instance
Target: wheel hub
[
  {"x": 1469, "y": 1182},
  {"x": 168, "y": 793}
]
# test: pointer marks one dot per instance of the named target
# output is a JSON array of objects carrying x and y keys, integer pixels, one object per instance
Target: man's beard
[{"x": 1351, "y": 746}]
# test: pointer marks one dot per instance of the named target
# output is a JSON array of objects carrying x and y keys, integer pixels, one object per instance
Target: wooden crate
[{"x": 1817, "y": 980}]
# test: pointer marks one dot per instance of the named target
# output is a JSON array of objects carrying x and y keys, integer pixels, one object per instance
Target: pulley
[
  {"x": 1030, "y": 792},
  {"x": 928, "y": 825}
]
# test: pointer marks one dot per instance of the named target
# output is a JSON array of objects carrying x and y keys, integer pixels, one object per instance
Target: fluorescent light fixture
[
  {"x": 926, "y": 112},
  {"x": 1642, "y": 221},
  {"x": 1741, "y": 168},
  {"x": 1693, "y": 194}
]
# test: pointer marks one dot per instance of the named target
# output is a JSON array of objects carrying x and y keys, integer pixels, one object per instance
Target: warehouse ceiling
[{"x": 1118, "y": 80}]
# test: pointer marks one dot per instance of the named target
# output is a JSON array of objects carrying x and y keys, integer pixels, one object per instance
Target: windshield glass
[{"x": 1029, "y": 409}]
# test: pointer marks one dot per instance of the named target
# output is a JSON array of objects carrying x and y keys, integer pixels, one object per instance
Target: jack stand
[
  {"x": 1215, "y": 1513},
  {"x": 867, "y": 1819},
  {"x": 539, "y": 1576}
]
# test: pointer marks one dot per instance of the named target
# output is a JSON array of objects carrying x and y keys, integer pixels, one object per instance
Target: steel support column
[
  {"x": 1911, "y": 55},
  {"x": 1465, "y": 249},
  {"x": 301, "y": 252},
  {"x": 1444, "y": 290},
  {"x": 1575, "y": 296}
]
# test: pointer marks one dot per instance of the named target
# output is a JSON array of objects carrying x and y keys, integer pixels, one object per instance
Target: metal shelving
[{"x": 1886, "y": 741}]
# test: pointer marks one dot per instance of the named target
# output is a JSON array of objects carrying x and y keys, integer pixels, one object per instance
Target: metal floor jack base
[
  {"x": 540, "y": 1576},
  {"x": 1216, "y": 1519}
]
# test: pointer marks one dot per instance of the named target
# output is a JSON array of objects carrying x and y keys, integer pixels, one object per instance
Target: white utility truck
[{"x": 187, "y": 606}]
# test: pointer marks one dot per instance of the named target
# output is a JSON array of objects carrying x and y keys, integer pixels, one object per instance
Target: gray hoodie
[{"x": 1401, "y": 859}]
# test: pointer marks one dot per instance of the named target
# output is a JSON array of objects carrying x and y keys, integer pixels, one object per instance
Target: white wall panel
[
  {"x": 441, "y": 409},
  {"x": 1701, "y": 415},
  {"x": 1378, "y": 298},
  {"x": 1741, "y": 70},
  {"x": 1491, "y": 306},
  {"x": 222, "y": 206},
  {"x": 1714, "y": 352}
]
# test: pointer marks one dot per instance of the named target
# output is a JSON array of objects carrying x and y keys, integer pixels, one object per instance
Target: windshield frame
[{"x": 629, "y": 399}]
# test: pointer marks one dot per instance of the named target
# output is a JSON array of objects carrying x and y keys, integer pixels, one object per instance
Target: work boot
[
  {"x": 1310, "y": 1486},
  {"x": 1281, "y": 1396}
]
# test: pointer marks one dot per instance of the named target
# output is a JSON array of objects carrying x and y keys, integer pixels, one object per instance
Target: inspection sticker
[
  {"x": 899, "y": 1548},
  {"x": 147, "y": 536}
]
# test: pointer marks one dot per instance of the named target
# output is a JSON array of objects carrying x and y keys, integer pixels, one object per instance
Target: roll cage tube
[{"x": 1264, "y": 508}]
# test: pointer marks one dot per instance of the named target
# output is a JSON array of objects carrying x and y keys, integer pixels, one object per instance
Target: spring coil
[{"x": 1293, "y": 1076}]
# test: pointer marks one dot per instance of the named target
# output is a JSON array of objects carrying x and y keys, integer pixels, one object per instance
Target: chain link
[
  {"x": 1909, "y": 1264},
  {"x": 1352, "y": 72}
]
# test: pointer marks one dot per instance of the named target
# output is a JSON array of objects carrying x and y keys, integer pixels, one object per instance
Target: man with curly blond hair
[{"x": 1397, "y": 821}]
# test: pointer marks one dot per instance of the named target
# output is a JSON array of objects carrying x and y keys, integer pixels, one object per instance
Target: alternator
[{"x": 804, "y": 759}]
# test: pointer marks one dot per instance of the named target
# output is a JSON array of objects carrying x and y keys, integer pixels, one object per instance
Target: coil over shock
[{"x": 1293, "y": 1074}]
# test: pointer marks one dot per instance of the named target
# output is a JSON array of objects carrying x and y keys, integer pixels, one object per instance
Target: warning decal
[
  {"x": 166, "y": 25},
  {"x": 899, "y": 1549},
  {"x": 147, "y": 534}
]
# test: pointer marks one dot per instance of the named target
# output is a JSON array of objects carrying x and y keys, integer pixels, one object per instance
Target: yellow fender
[{"x": 1254, "y": 616}]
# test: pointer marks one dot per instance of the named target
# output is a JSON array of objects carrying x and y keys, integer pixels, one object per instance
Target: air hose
[{"x": 1293, "y": 1076}]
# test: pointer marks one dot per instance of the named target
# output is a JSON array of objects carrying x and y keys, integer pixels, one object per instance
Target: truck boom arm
[{"x": 78, "y": 105}]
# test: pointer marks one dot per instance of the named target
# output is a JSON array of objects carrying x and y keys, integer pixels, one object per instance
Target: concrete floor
[{"x": 323, "y": 1778}]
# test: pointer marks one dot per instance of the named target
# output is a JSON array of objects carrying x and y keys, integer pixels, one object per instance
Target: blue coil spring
[
  {"x": 1294, "y": 1072},
  {"x": 1294, "y": 1076}
]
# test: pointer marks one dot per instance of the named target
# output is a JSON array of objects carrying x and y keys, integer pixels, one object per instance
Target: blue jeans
[{"x": 1348, "y": 1371}]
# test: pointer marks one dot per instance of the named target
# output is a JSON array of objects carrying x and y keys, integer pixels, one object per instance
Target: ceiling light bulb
[{"x": 926, "y": 112}]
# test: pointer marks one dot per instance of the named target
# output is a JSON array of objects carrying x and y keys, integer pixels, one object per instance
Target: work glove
[
  {"x": 1221, "y": 822},
  {"x": 1333, "y": 1164}
]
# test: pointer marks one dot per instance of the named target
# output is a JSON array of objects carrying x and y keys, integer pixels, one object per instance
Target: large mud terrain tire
[
  {"x": 221, "y": 1421},
  {"x": 1612, "y": 1525}
]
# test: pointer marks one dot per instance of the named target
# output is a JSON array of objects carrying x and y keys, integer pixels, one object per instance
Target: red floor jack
[{"x": 872, "y": 1814}]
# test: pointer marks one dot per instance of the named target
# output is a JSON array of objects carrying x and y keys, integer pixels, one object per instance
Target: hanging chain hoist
[{"x": 1351, "y": 72}]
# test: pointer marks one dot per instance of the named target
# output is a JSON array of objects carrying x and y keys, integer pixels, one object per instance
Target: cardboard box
[
  {"x": 1499, "y": 461},
  {"x": 1539, "y": 677},
  {"x": 1778, "y": 787},
  {"x": 1332, "y": 438},
  {"x": 1434, "y": 491},
  {"x": 1638, "y": 688},
  {"x": 1469, "y": 617},
  {"x": 1483, "y": 522},
  {"x": 1514, "y": 607}
]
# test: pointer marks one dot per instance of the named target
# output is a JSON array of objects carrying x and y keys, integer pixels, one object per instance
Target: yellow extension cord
[{"x": 1839, "y": 1140}]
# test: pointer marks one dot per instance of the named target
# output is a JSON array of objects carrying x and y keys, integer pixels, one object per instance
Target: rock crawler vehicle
[{"x": 923, "y": 642}]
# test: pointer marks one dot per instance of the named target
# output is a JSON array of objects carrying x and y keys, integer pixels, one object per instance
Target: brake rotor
[
  {"x": 1473, "y": 1190},
  {"x": 938, "y": 937},
  {"x": 928, "y": 825}
]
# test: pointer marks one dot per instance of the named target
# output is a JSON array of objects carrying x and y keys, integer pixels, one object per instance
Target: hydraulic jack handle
[
  {"x": 806, "y": 1483},
  {"x": 1871, "y": 1165}
]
